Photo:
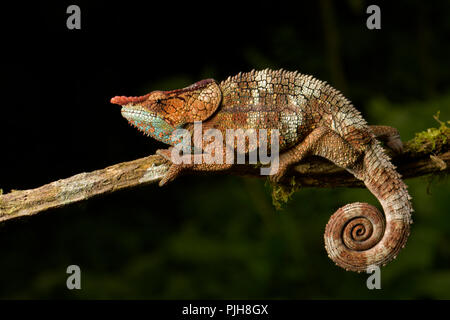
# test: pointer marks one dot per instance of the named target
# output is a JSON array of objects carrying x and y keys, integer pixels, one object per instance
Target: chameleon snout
[{"x": 123, "y": 100}]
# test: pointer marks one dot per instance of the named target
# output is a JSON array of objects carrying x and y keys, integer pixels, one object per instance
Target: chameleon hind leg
[
  {"x": 390, "y": 136},
  {"x": 322, "y": 142}
]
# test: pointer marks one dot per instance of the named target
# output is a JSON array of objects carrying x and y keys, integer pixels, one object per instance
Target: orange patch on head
[
  {"x": 200, "y": 105},
  {"x": 169, "y": 109}
]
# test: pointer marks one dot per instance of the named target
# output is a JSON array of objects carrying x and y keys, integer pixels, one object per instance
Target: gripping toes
[
  {"x": 390, "y": 136},
  {"x": 277, "y": 175},
  {"x": 173, "y": 172}
]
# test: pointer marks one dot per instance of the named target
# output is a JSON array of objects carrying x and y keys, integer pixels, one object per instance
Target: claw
[
  {"x": 165, "y": 181},
  {"x": 173, "y": 172}
]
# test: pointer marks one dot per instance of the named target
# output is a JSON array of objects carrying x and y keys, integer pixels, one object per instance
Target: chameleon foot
[
  {"x": 395, "y": 144},
  {"x": 173, "y": 172},
  {"x": 278, "y": 175},
  {"x": 390, "y": 136}
]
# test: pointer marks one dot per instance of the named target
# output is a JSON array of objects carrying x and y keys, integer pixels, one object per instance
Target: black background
[{"x": 56, "y": 121}]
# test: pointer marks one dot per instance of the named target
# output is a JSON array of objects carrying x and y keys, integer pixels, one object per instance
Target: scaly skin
[{"x": 313, "y": 119}]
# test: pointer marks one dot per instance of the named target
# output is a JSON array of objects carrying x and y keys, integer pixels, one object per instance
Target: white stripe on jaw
[{"x": 136, "y": 114}]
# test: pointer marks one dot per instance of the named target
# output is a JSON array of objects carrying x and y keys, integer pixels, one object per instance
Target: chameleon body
[{"x": 313, "y": 118}]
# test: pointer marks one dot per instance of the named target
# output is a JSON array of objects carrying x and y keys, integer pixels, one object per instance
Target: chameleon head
[{"x": 159, "y": 113}]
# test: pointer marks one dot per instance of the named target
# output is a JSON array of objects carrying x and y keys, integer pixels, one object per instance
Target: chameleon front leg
[
  {"x": 177, "y": 169},
  {"x": 322, "y": 142},
  {"x": 390, "y": 136}
]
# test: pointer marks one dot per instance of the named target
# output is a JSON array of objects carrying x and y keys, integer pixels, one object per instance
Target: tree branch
[{"x": 313, "y": 172}]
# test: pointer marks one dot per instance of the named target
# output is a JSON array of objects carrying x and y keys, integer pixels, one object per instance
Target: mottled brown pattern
[
  {"x": 194, "y": 103},
  {"x": 313, "y": 119}
]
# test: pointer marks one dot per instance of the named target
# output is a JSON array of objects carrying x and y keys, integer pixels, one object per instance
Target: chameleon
[{"x": 313, "y": 119}]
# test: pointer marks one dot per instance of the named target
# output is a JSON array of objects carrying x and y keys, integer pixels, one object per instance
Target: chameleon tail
[{"x": 358, "y": 235}]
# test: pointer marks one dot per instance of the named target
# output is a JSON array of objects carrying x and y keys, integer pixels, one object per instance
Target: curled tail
[{"x": 358, "y": 235}]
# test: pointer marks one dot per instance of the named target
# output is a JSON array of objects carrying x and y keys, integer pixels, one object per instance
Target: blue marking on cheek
[
  {"x": 162, "y": 130},
  {"x": 156, "y": 127}
]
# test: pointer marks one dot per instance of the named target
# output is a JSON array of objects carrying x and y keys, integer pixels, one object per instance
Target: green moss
[
  {"x": 431, "y": 140},
  {"x": 282, "y": 193}
]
